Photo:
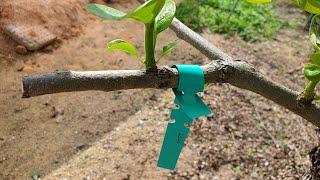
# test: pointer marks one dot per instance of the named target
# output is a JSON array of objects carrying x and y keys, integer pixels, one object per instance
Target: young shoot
[{"x": 156, "y": 15}]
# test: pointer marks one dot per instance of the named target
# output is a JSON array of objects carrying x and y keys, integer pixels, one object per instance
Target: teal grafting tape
[{"x": 191, "y": 81}]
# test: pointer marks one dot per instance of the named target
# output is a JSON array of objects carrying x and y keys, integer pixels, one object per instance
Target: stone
[
  {"x": 21, "y": 50},
  {"x": 31, "y": 37},
  {"x": 48, "y": 49}
]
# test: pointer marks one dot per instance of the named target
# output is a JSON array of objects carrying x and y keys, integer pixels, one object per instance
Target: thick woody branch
[
  {"x": 224, "y": 70},
  {"x": 237, "y": 73}
]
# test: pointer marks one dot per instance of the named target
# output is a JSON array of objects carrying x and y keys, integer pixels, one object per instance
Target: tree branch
[
  {"x": 238, "y": 73},
  {"x": 198, "y": 42}
]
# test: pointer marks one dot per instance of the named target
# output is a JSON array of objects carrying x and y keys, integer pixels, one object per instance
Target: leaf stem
[
  {"x": 309, "y": 91},
  {"x": 150, "y": 42}
]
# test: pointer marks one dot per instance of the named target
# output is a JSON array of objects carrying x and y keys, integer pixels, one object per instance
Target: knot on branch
[
  {"x": 164, "y": 77},
  {"x": 226, "y": 69},
  {"x": 303, "y": 102}
]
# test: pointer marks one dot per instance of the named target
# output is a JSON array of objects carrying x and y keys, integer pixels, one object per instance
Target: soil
[{"x": 118, "y": 135}]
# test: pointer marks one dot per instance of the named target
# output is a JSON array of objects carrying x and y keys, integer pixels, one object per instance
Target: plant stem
[
  {"x": 150, "y": 42},
  {"x": 309, "y": 93}
]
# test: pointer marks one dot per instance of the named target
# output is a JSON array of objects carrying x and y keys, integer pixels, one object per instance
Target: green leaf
[
  {"x": 311, "y": 6},
  {"x": 312, "y": 72},
  {"x": 315, "y": 3},
  {"x": 315, "y": 58},
  {"x": 148, "y": 11},
  {"x": 169, "y": 47},
  {"x": 125, "y": 46},
  {"x": 105, "y": 12},
  {"x": 314, "y": 32},
  {"x": 166, "y": 15}
]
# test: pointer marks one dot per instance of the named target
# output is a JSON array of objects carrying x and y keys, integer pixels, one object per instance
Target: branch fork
[{"x": 222, "y": 70}]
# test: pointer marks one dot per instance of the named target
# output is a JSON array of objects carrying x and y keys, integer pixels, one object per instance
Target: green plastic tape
[{"x": 191, "y": 81}]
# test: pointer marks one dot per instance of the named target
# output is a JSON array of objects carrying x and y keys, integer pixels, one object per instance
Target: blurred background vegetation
[{"x": 253, "y": 22}]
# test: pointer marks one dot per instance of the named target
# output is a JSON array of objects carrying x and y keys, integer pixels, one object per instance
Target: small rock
[
  {"x": 153, "y": 97},
  {"x": 56, "y": 112},
  {"x": 254, "y": 175},
  {"x": 48, "y": 49},
  {"x": 31, "y": 37},
  {"x": 81, "y": 146},
  {"x": 21, "y": 50},
  {"x": 141, "y": 122}
]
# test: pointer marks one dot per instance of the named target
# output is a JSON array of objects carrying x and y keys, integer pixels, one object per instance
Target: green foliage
[
  {"x": 311, "y": 6},
  {"x": 312, "y": 70},
  {"x": 105, "y": 12},
  {"x": 169, "y": 47},
  {"x": 259, "y": 1},
  {"x": 122, "y": 45},
  {"x": 250, "y": 152},
  {"x": 251, "y": 21},
  {"x": 166, "y": 16},
  {"x": 237, "y": 169},
  {"x": 144, "y": 13},
  {"x": 156, "y": 15}
]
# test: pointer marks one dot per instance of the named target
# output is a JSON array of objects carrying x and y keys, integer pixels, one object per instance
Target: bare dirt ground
[{"x": 117, "y": 135}]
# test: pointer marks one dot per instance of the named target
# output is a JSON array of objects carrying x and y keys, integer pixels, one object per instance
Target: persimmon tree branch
[
  {"x": 198, "y": 42},
  {"x": 237, "y": 73},
  {"x": 223, "y": 70}
]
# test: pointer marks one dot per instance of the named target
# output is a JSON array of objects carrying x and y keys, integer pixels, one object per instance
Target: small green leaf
[
  {"x": 237, "y": 169},
  {"x": 166, "y": 15},
  {"x": 105, "y": 12},
  {"x": 125, "y": 46},
  {"x": 315, "y": 58},
  {"x": 312, "y": 72},
  {"x": 169, "y": 47},
  {"x": 250, "y": 152},
  {"x": 314, "y": 32},
  {"x": 148, "y": 11}
]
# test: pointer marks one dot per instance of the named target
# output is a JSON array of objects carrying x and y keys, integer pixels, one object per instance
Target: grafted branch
[
  {"x": 224, "y": 70},
  {"x": 237, "y": 73}
]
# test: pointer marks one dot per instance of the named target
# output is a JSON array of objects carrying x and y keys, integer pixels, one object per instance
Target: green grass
[{"x": 253, "y": 22}]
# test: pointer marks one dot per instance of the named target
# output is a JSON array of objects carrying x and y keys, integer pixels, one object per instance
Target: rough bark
[
  {"x": 237, "y": 73},
  {"x": 224, "y": 70}
]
